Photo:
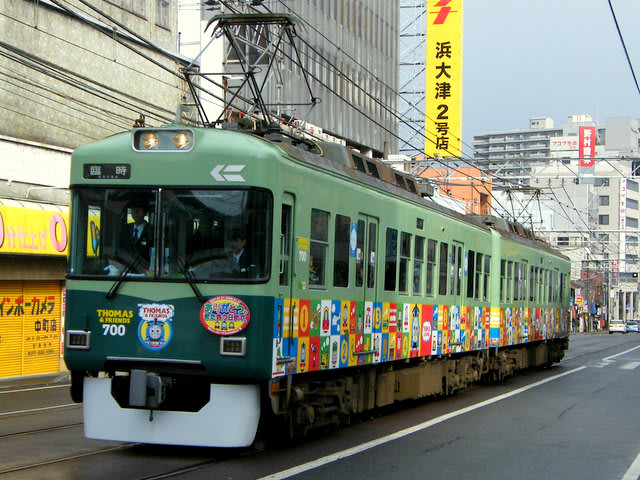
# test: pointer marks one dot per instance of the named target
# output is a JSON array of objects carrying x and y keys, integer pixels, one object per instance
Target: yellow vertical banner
[{"x": 443, "y": 122}]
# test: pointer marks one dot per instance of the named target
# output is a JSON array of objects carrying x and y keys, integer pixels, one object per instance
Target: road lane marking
[
  {"x": 634, "y": 470},
  {"x": 41, "y": 409},
  {"x": 621, "y": 353},
  {"x": 630, "y": 365},
  {"x": 33, "y": 389},
  {"x": 408, "y": 431}
]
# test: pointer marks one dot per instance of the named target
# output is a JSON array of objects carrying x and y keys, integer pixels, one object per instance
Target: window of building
[
  {"x": 603, "y": 200},
  {"x": 563, "y": 241},
  {"x": 632, "y": 204},
  {"x": 632, "y": 222},
  {"x": 603, "y": 219},
  {"x": 162, "y": 13},
  {"x": 601, "y": 182},
  {"x": 632, "y": 185},
  {"x": 137, "y": 7}
]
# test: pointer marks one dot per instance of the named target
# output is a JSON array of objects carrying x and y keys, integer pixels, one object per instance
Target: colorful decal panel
[
  {"x": 155, "y": 329},
  {"x": 311, "y": 335},
  {"x": 225, "y": 315}
]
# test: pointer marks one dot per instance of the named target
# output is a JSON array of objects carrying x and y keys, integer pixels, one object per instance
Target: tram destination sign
[{"x": 107, "y": 171}]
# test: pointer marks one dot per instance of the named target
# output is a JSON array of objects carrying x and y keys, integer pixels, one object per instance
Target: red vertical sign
[{"x": 587, "y": 146}]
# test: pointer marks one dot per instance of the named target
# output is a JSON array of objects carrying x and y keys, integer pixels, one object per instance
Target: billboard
[{"x": 443, "y": 122}]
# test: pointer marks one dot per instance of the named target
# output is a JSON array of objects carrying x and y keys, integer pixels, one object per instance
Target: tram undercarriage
[{"x": 331, "y": 398}]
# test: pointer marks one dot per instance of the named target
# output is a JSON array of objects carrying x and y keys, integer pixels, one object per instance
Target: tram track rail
[
  {"x": 36, "y": 431},
  {"x": 67, "y": 458}
]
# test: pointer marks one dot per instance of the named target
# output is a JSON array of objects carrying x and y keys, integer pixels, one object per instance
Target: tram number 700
[{"x": 113, "y": 330}]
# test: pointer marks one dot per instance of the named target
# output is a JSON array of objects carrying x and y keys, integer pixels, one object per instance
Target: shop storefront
[{"x": 33, "y": 255}]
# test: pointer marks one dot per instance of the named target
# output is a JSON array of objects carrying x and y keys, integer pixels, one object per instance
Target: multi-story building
[
  {"x": 593, "y": 218},
  {"x": 510, "y": 155},
  {"x": 70, "y": 73},
  {"x": 348, "y": 49}
]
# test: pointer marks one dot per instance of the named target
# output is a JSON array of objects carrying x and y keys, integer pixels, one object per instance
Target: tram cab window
[{"x": 209, "y": 235}]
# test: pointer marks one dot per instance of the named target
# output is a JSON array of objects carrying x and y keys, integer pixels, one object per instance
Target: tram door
[
  {"x": 285, "y": 308},
  {"x": 366, "y": 264}
]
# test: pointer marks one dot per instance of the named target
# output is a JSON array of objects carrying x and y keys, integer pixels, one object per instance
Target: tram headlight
[
  {"x": 150, "y": 140},
  {"x": 181, "y": 141},
  {"x": 163, "y": 140}
]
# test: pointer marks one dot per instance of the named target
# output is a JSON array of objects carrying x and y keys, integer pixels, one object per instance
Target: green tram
[{"x": 283, "y": 281}]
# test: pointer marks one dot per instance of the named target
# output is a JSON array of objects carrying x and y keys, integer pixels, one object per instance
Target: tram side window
[
  {"x": 523, "y": 280},
  {"x": 341, "y": 251},
  {"x": 418, "y": 261},
  {"x": 531, "y": 282},
  {"x": 444, "y": 262},
  {"x": 516, "y": 281},
  {"x": 431, "y": 265},
  {"x": 371, "y": 255},
  {"x": 456, "y": 269},
  {"x": 285, "y": 244},
  {"x": 459, "y": 269},
  {"x": 509, "y": 293},
  {"x": 503, "y": 281},
  {"x": 477, "y": 287},
  {"x": 360, "y": 254},
  {"x": 487, "y": 276},
  {"x": 318, "y": 247},
  {"x": 471, "y": 272},
  {"x": 405, "y": 259},
  {"x": 391, "y": 260}
]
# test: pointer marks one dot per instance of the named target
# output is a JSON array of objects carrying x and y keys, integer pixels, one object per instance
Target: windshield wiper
[
  {"x": 116, "y": 285},
  {"x": 188, "y": 274}
]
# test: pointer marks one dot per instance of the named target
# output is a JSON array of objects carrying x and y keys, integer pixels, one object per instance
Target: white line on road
[
  {"x": 621, "y": 353},
  {"x": 630, "y": 365},
  {"x": 408, "y": 431},
  {"x": 32, "y": 389},
  {"x": 634, "y": 470},
  {"x": 42, "y": 409}
]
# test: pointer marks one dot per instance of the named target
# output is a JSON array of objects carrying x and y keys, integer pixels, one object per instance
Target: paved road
[{"x": 579, "y": 419}]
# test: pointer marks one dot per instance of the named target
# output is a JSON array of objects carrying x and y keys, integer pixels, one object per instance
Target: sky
[{"x": 547, "y": 58}]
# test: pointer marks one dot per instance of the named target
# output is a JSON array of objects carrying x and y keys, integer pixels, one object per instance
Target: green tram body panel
[{"x": 294, "y": 326}]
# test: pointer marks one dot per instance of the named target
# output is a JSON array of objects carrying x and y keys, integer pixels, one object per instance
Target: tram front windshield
[{"x": 208, "y": 235}]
